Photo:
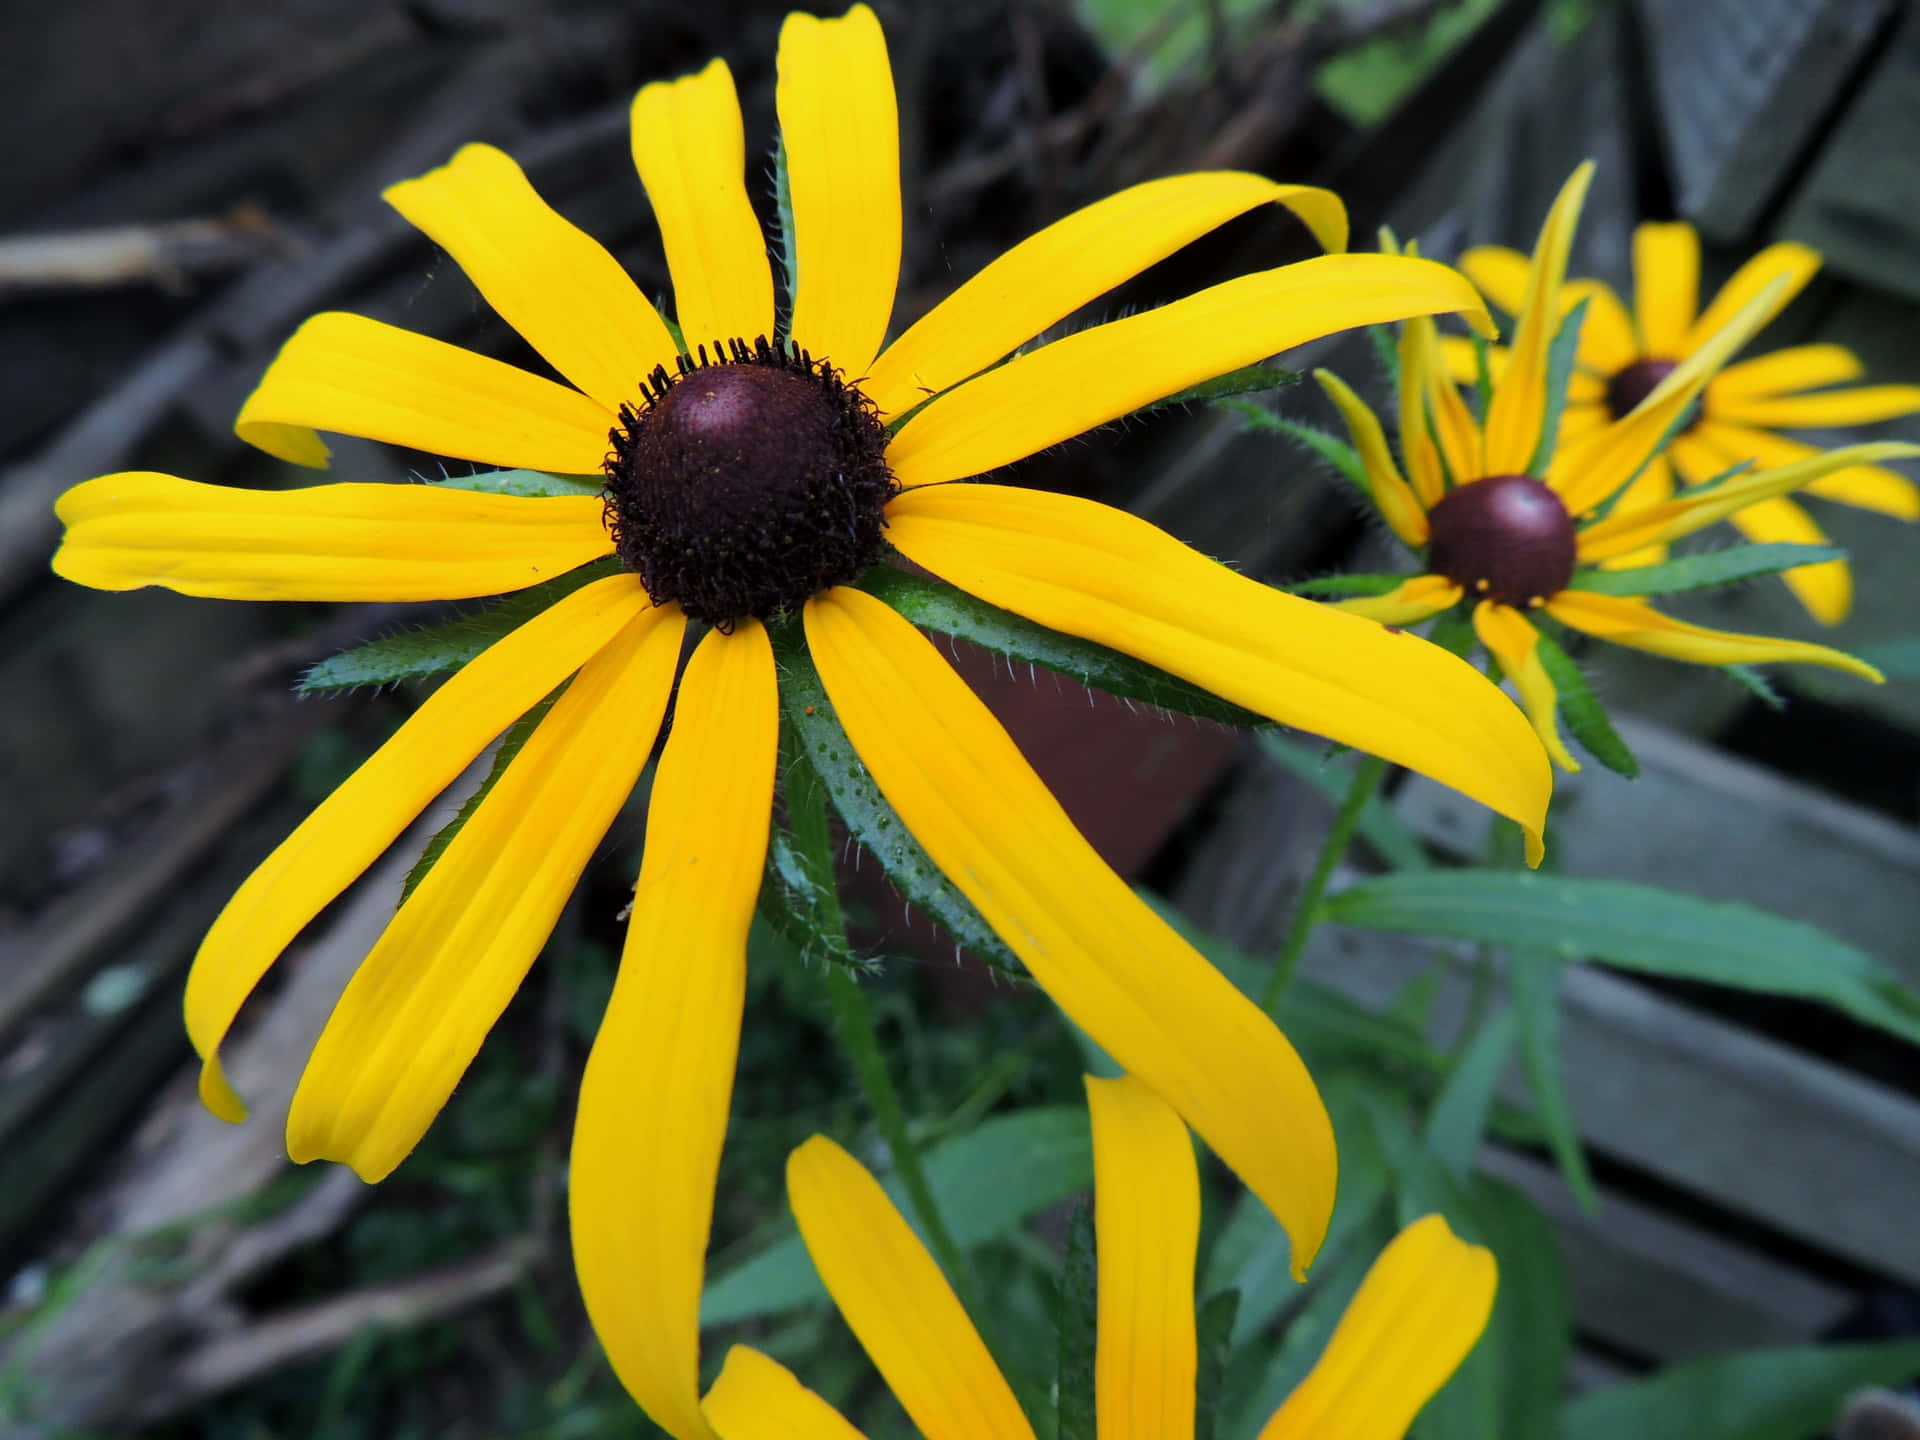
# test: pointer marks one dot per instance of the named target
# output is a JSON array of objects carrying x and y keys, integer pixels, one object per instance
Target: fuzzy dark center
[
  {"x": 1507, "y": 537},
  {"x": 745, "y": 485},
  {"x": 1630, "y": 386}
]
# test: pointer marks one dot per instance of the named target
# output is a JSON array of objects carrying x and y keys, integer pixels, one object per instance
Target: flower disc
[{"x": 1507, "y": 537}]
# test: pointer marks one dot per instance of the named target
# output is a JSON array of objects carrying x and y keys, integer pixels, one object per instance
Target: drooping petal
[
  {"x": 841, "y": 129},
  {"x": 894, "y": 1298},
  {"x": 1108, "y": 576},
  {"x": 416, "y": 1010},
  {"x": 545, "y": 276},
  {"x": 1391, "y": 494},
  {"x": 1639, "y": 625},
  {"x": 1511, "y": 639},
  {"x": 1520, "y": 399},
  {"x": 1415, "y": 1318},
  {"x": 1867, "y": 487},
  {"x": 1666, "y": 285},
  {"x": 1606, "y": 335},
  {"x": 1108, "y": 960},
  {"x": 323, "y": 542},
  {"x": 1048, "y": 276},
  {"x": 1861, "y": 405},
  {"x": 758, "y": 1398},
  {"x": 354, "y": 825},
  {"x": 1086, "y": 379},
  {"x": 1146, "y": 1216},
  {"x": 691, "y": 152},
  {"x": 1787, "y": 260},
  {"x": 357, "y": 376},
  {"x": 1798, "y": 367},
  {"x": 1826, "y": 590},
  {"x": 658, "y": 1085},
  {"x": 1420, "y": 598},
  {"x": 1502, "y": 275},
  {"x": 1652, "y": 486}
]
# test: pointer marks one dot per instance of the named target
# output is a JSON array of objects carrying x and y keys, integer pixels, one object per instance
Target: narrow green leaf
[
  {"x": 510, "y": 745},
  {"x": 533, "y": 483},
  {"x": 1380, "y": 824},
  {"x": 1755, "y": 683},
  {"x": 1560, "y": 358},
  {"x": 1533, "y": 980},
  {"x": 1247, "y": 380},
  {"x": 1582, "y": 710},
  {"x": 1214, "y": 1332},
  {"x": 1329, "y": 447},
  {"x": 1636, "y": 927},
  {"x": 1531, "y": 1330},
  {"x": 1459, "y": 1115},
  {"x": 1346, "y": 585},
  {"x": 786, "y": 246},
  {"x": 949, "y": 611},
  {"x": 1386, "y": 352},
  {"x": 1482, "y": 377},
  {"x": 1698, "y": 572},
  {"x": 1076, "y": 1315}
]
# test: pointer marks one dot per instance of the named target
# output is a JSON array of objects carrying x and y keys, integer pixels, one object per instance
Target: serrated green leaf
[
  {"x": 510, "y": 745},
  {"x": 1247, "y": 380},
  {"x": 536, "y": 484},
  {"x": 1698, "y": 572},
  {"x": 1386, "y": 352},
  {"x": 1560, "y": 358},
  {"x": 1482, "y": 377},
  {"x": 1076, "y": 1316},
  {"x": 1214, "y": 1333},
  {"x": 789, "y": 902},
  {"x": 1582, "y": 710},
  {"x": 1346, "y": 585},
  {"x": 1636, "y": 927},
  {"x": 1533, "y": 980},
  {"x": 936, "y": 606},
  {"x": 1756, "y": 684},
  {"x": 1329, "y": 447},
  {"x": 786, "y": 245},
  {"x": 1458, "y": 1118},
  {"x": 1380, "y": 824}
]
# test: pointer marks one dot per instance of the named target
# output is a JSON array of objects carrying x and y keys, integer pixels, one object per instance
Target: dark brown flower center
[
  {"x": 743, "y": 486},
  {"x": 1630, "y": 386},
  {"x": 1507, "y": 537}
]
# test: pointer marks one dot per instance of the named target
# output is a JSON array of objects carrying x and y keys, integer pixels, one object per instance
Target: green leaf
[
  {"x": 1482, "y": 377},
  {"x": 1636, "y": 927},
  {"x": 1560, "y": 358},
  {"x": 1698, "y": 572},
  {"x": 533, "y": 483},
  {"x": 1386, "y": 352},
  {"x": 1346, "y": 585},
  {"x": 1380, "y": 824},
  {"x": 441, "y": 649},
  {"x": 510, "y": 746},
  {"x": 787, "y": 248},
  {"x": 1756, "y": 684},
  {"x": 1247, "y": 380},
  {"x": 949, "y": 611},
  {"x": 985, "y": 1182},
  {"x": 1582, "y": 710},
  {"x": 1533, "y": 980},
  {"x": 1899, "y": 659},
  {"x": 1213, "y": 1331},
  {"x": 790, "y": 903},
  {"x": 1329, "y": 447},
  {"x": 869, "y": 819},
  {"x": 1459, "y": 1115},
  {"x": 1781, "y": 1394},
  {"x": 1531, "y": 1330},
  {"x": 1076, "y": 1315}
]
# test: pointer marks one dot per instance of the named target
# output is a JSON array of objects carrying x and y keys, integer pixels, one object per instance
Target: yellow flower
[
  {"x": 1415, "y": 1317},
  {"x": 1622, "y": 359},
  {"x": 751, "y": 483},
  {"x": 1507, "y": 514}
]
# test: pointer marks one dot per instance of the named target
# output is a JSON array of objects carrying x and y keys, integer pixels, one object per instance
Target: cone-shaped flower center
[
  {"x": 744, "y": 486},
  {"x": 1507, "y": 537},
  {"x": 1630, "y": 386}
]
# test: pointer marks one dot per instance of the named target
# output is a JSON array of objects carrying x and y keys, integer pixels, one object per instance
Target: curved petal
[
  {"x": 324, "y": 542},
  {"x": 1861, "y": 405},
  {"x": 1637, "y": 624},
  {"x": 959, "y": 784},
  {"x": 1420, "y": 598},
  {"x": 1500, "y": 273},
  {"x": 1666, "y": 285},
  {"x": 757, "y": 1398},
  {"x": 658, "y": 1085},
  {"x": 1417, "y": 445},
  {"x": 1511, "y": 639},
  {"x": 1104, "y": 575},
  {"x": 1391, "y": 494},
  {"x": 1782, "y": 372},
  {"x": 1084, "y": 380},
  {"x": 1606, "y": 336},
  {"x": 1787, "y": 260},
  {"x": 1826, "y": 590},
  {"x": 1146, "y": 1216},
  {"x": 691, "y": 152},
  {"x": 356, "y": 376},
  {"x": 841, "y": 129},
  {"x": 351, "y": 827},
  {"x": 1415, "y": 1318},
  {"x": 545, "y": 276},
  {"x": 416, "y": 1010},
  {"x": 1048, "y": 276},
  {"x": 1520, "y": 399},
  {"x": 1867, "y": 487},
  {"x": 894, "y": 1298},
  {"x": 1652, "y": 486}
]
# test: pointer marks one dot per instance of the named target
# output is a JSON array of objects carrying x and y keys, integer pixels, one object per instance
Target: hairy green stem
[{"x": 1306, "y": 914}]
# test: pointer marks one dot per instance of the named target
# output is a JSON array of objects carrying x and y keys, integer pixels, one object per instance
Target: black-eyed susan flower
[
  {"x": 750, "y": 483},
  {"x": 1507, "y": 512},
  {"x": 1624, "y": 357},
  {"x": 1415, "y": 1317}
]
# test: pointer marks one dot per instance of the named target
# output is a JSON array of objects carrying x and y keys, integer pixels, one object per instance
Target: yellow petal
[
  {"x": 324, "y": 542},
  {"x": 415, "y": 1012},
  {"x": 658, "y": 1085},
  {"x": 894, "y": 1298},
  {"x": 1652, "y": 486},
  {"x": 1086, "y": 379},
  {"x": 545, "y": 276},
  {"x": 1606, "y": 335},
  {"x": 1461, "y": 359},
  {"x": 1395, "y": 501},
  {"x": 1417, "y": 446},
  {"x": 1798, "y": 367},
  {"x": 1696, "y": 462},
  {"x": 1787, "y": 260},
  {"x": 691, "y": 153},
  {"x": 356, "y": 376},
  {"x": 1414, "y": 1319},
  {"x": 1520, "y": 399},
  {"x": 961, "y": 787},
  {"x": 1512, "y": 640},
  {"x": 1501, "y": 274},
  {"x": 1639, "y": 625},
  {"x": 1104, "y": 575},
  {"x": 757, "y": 1398},
  {"x": 1146, "y": 1216},
  {"x": 1826, "y": 590},
  {"x": 1052, "y": 274},
  {"x": 1666, "y": 285},
  {"x": 1861, "y": 405},
  {"x": 1418, "y": 599},
  {"x": 1457, "y": 432},
  {"x": 1867, "y": 487},
  {"x": 842, "y": 134},
  {"x": 351, "y": 827}
]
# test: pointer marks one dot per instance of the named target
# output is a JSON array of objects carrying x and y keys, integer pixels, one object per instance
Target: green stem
[{"x": 1366, "y": 780}]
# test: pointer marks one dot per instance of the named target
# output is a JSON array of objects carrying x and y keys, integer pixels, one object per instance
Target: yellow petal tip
[
  {"x": 1536, "y": 846},
  {"x": 218, "y": 1094}
]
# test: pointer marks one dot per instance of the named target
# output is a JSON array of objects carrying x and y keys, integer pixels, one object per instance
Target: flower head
[
  {"x": 1510, "y": 510},
  {"x": 1415, "y": 1317}
]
